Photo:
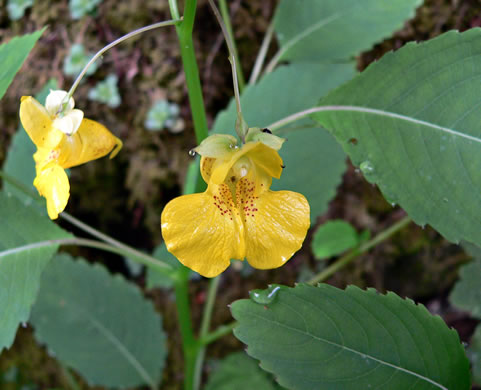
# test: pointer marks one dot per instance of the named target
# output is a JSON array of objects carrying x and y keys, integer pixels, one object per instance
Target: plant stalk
[
  {"x": 189, "y": 343},
  {"x": 349, "y": 257},
  {"x": 126, "y": 250},
  {"x": 241, "y": 126},
  {"x": 261, "y": 56},
  {"x": 224, "y": 10},
  {"x": 204, "y": 328},
  {"x": 109, "y": 46},
  {"x": 184, "y": 33}
]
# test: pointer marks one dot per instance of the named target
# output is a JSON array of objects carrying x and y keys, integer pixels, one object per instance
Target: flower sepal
[
  {"x": 256, "y": 134},
  {"x": 217, "y": 146}
]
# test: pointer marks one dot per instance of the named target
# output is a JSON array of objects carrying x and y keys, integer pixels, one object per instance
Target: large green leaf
[
  {"x": 411, "y": 123},
  {"x": 25, "y": 250},
  {"x": 314, "y": 161},
  {"x": 326, "y": 338},
  {"x": 99, "y": 324},
  {"x": 333, "y": 30},
  {"x": 19, "y": 162},
  {"x": 12, "y": 55},
  {"x": 239, "y": 372}
]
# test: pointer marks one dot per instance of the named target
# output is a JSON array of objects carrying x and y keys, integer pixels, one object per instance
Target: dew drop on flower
[
  {"x": 264, "y": 297},
  {"x": 192, "y": 152}
]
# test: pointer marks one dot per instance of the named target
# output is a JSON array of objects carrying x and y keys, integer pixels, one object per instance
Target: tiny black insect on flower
[{"x": 266, "y": 131}]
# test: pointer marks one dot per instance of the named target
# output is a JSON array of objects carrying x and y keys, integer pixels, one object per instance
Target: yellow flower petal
[
  {"x": 52, "y": 183},
  {"x": 204, "y": 231},
  {"x": 266, "y": 158},
  {"x": 222, "y": 166},
  {"x": 276, "y": 228},
  {"x": 38, "y": 124},
  {"x": 91, "y": 141},
  {"x": 206, "y": 164}
]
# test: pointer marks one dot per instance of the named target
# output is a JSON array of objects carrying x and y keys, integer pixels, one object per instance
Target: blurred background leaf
[
  {"x": 333, "y": 238},
  {"x": 336, "y": 30}
]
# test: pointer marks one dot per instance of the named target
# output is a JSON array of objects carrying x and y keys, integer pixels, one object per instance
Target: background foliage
[{"x": 155, "y": 164}]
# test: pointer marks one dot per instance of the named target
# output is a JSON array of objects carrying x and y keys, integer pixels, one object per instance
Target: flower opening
[{"x": 238, "y": 216}]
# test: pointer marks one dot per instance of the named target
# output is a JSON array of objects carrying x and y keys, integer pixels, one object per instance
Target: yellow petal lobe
[
  {"x": 38, "y": 124},
  {"x": 276, "y": 228},
  {"x": 266, "y": 158},
  {"x": 203, "y": 231},
  {"x": 52, "y": 183},
  {"x": 90, "y": 142},
  {"x": 222, "y": 166}
]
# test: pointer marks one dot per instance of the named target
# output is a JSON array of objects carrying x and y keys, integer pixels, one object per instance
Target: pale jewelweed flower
[
  {"x": 238, "y": 216},
  {"x": 64, "y": 138}
]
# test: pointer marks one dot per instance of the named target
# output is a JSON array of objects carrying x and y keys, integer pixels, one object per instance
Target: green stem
[
  {"x": 221, "y": 331},
  {"x": 112, "y": 44},
  {"x": 184, "y": 33},
  {"x": 224, "y": 10},
  {"x": 261, "y": 56},
  {"x": 189, "y": 343},
  {"x": 204, "y": 328},
  {"x": 349, "y": 257},
  {"x": 126, "y": 250},
  {"x": 241, "y": 126}
]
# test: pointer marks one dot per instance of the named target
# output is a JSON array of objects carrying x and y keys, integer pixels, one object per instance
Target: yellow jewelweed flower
[
  {"x": 238, "y": 216},
  {"x": 64, "y": 138}
]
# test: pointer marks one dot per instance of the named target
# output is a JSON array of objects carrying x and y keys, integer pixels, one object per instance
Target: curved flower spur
[
  {"x": 64, "y": 139},
  {"x": 238, "y": 216}
]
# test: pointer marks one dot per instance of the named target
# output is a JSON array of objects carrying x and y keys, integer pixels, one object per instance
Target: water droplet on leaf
[
  {"x": 366, "y": 167},
  {"x": 264, "y": 297}
]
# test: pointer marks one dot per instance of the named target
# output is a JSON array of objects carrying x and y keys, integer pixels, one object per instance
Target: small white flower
[{"x": 67, "y": 120}]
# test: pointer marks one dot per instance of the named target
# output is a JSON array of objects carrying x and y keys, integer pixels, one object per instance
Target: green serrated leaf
[
  {"x": 411, "y": 122},
  {"x": 239, "y": 372},
  {"x": 25, "y": 250},
  {"x": 99, "y": 324},
  {"x": 333, "y": 238},
  {"x": 12, "y": 56},
  {"x": 466, "y": 294},
  {"x": 19, "y": 162},
  {"x": 326, "y": 338},
  {"x": 333, "y": 30},
  {"x": 314, "y": 161}
]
